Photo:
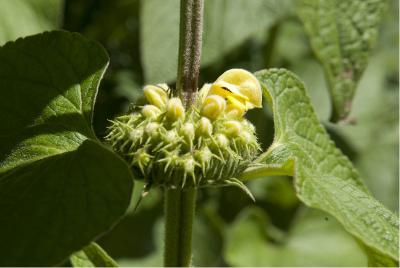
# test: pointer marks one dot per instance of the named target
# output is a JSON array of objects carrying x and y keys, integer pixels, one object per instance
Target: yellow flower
[{"x": 239, "y": 87}]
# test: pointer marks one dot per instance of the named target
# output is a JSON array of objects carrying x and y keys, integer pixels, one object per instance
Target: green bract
[{"x": 176, "y": 148}]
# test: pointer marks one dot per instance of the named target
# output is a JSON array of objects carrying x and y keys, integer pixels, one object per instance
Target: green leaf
[
  {"x": 342, "y": 34},
  {"x": 227, "y": 24},
  {"x": 376, "y": 125},
  {"x": 314, "y": 240},
  {"x": 92, "y": 256},
  {"x": 324, "y": 177},
  {"x": 20, "y": 18},
  {"x": 59, "y": 187}
]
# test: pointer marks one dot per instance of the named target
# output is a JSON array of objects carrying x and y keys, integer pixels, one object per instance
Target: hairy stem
[
  {"x": 190, "y": 33},
  {"x": 179, "y": 214},
  {"x": 180, "y": 203}
]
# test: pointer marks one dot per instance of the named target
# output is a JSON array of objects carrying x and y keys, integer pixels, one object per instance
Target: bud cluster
[{"x": 170, "y": 146}]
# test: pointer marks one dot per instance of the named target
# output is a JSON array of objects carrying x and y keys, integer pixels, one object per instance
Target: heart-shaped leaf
[
  {"x": 324, "y": 177},
  {"x": 342, "y": 34},
  {"x": 60, "y": 188}
]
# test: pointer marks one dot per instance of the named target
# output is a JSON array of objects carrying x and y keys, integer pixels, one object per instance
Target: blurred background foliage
[{"x": 230, "y": 230}]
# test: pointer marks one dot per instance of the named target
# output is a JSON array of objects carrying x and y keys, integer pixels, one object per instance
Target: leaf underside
[
  {"x": 324, "y": 177},
  {"x": 59, "y": 187},
  {"x": 342, "y": 34}
]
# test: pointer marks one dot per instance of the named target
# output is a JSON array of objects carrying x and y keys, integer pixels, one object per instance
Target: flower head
[{"x": 207, "y": 144}]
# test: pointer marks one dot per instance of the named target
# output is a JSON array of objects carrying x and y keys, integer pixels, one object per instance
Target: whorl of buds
[{"x": 210, "y": 143}]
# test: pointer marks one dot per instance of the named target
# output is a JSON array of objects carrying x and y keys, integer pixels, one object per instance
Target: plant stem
[
  {"x": 190, "y": 34},
  {"x": 179, "y": 215},
  {"x": 180, "y": 203}
]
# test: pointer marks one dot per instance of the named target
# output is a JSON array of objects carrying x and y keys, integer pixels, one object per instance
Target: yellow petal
[
  {"x": 225, "y": 90},
  {"x": 243, "y": 83},
  {"x": 235, "y": 108}
]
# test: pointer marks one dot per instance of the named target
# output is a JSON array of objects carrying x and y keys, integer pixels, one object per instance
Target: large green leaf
[
  {"x": 342, "y": 34},
  {"x": 20, "y": 18},
  {"x": 59, "y": 187},
  {"x": 92, "y": 256},
  {"x": 314, "y": 240},
  {"x": 324, "y": 177},
  {"x": 227, "y": 23},
  {"x": 375, "y": 135}
]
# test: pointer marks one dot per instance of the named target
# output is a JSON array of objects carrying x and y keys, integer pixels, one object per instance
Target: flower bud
[
  {"x": 136, "y": 134},
  {"x": 247, "y": 138},
  {"x": 151, "y": 111},
  {"x": 152, "y": 129},
  {"x": 249, "y": 126},
  {"x": 221, "y": 140},
  {"x": 213, "y": 106},
  {"x": 142, "y": 159},
  {"x": 234, "y": 112},
  {"x": 203, "y": 156},
  {"x": 171, "y": 137},
  {"x": 232, "y": 128},
  {"x": 204, "y": 127},
  {"x": 163, "y": 86},
  {"x": 156, "y": 95},
  {"x": 187, "y": 130},
  {"x": 175, "y": 109},
  {"x": 189, "y": 164}
]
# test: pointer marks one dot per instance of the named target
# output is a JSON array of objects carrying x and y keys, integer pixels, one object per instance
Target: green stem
[
  {"x": 179, "y": 215},
  {"x": 180, "y": 203}
]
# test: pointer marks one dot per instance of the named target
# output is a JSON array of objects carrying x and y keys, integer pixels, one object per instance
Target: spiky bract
[{"x": 170, "y": 147}]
